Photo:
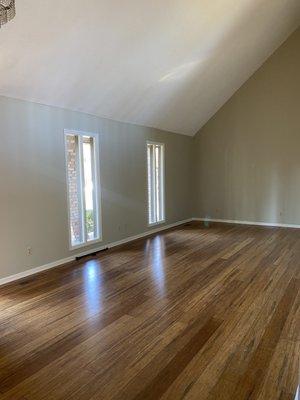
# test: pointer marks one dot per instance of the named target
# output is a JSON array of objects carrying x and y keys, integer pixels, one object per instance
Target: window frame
[
  {"x": 151, "y": 142},
  {"x": 97, "y": 192}
]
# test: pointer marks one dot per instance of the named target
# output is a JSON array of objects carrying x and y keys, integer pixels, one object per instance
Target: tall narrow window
[
  {"x": 83, "y": 188},
  {"x": 155, "y": 164}
]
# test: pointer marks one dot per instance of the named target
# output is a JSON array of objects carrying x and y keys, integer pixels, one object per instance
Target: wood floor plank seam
[{"x": 194, "y": 313}]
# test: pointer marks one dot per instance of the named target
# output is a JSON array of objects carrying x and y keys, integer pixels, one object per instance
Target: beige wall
[
  {"x": 33, "y": 193},
  {"x": 247, "y": 157},
  {"x": 243, "y": 165}
]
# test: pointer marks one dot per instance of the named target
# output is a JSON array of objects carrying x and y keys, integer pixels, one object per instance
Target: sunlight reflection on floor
[{"x": 93, "y": 285}]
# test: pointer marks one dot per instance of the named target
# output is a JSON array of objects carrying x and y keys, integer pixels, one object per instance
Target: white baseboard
[
  {"x": 63, "y": 261},
  {"x": 36, "y": 270},
  {"x": 234, "y": 221},
  {"x": 132, "y": 238}
]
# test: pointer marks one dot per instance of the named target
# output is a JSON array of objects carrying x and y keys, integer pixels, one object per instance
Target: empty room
[{"x": 150, "y": 200}]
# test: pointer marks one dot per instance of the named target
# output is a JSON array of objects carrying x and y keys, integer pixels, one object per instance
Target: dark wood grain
[{"x": 192, "y": 313}]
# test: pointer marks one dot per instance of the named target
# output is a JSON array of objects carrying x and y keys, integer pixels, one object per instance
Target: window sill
[
  {"x": 157, "y": 223},
  {"x": 86, "y": 244}
]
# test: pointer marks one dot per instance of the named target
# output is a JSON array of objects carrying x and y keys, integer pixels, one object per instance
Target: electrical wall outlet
[{"x": 29, "y": 251}]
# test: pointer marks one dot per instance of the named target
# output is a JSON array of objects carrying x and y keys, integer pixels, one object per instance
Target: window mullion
[
  {"x": 95, "y": 187},
  {"x": 162, "y": 182},
  {"x": 158, "y": 163},
  {"x": 149, "y": 183},
  {"x": 79, "y": 180},
  {"x": 158, "y": 175},
  {"x": 82, "y": 191},
  {"x": 154, "y": 184}
]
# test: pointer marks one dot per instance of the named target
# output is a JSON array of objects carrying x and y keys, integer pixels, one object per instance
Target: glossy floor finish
[{"x": 192, "y": 313}]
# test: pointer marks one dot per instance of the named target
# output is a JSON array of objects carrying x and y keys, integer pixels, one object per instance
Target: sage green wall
[
  {"x": 247, "y": 157},
  {"x": 33, "y": 193}
]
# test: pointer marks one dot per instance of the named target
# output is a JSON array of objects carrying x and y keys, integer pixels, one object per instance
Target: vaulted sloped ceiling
[{"x": 168, "y": 64}]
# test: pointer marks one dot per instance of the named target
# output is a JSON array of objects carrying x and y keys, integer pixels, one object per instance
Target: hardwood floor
[{"x": 193, "y": 313}]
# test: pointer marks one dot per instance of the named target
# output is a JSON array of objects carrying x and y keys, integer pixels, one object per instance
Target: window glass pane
[
  {"x": 73, "y": 176},
  {"x": 149, "y": 168},
  {"x": 82, "y": 188},
  {"x": 89, "y": 188},
  {"x": 155, "y": 183}
]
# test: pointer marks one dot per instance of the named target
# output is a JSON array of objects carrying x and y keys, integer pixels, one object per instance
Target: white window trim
[
  {"x": 98, "y": 184},
  {"x": 163, "y": 221}
]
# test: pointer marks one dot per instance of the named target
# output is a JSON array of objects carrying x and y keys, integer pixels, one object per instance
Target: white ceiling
[{"x": 168, "y": 64}]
